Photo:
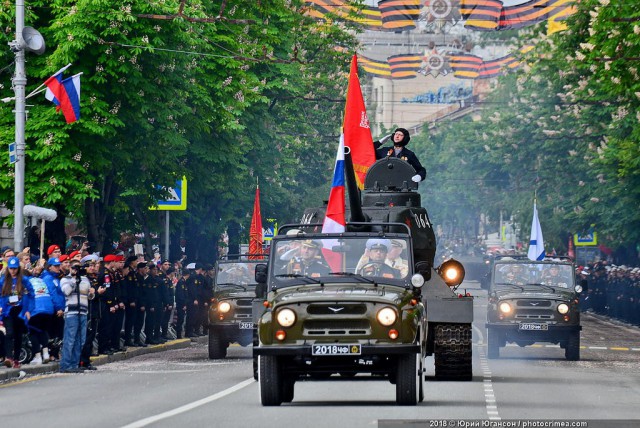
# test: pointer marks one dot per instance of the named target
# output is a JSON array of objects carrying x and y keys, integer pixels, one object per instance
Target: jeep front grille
[
  {"x": 339, "y": 309},
  {"x": 343, "y": 327},
  {"x": 534, "y": 303}
]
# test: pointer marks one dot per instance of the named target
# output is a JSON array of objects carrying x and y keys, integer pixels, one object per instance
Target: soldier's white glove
[
  {"x": 385, "y": 138},
  {"x": 416, "y": 178}
]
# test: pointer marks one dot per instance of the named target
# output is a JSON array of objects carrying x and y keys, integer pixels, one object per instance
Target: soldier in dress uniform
[
  {"x": 394, "y": 257},
  {"x": 131, "y": 288},
  {"x": 309, "y": 262},
  {"x": 376, "y": 266}
]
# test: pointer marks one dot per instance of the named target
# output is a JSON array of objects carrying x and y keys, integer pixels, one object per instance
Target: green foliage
[
  {"x": 256, "y": 92},
  {"x": 564, "y": 128}
]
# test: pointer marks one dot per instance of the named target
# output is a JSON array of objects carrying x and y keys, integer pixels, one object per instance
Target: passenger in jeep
[
  {"x": 309, "y": 262},
  {"x": 552, "y": 276}
]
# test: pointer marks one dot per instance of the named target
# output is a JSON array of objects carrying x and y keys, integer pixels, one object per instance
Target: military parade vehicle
[
  {"x": 336, "y": 309},
  {"x": 231, "y": 312},
  {"x": 534, "y": 301}
]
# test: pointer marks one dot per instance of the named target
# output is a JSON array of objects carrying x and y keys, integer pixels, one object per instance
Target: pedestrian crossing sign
[{"x": 177, "y": 199}]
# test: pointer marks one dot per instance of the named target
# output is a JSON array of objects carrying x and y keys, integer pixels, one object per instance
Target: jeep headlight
[
  {"x": 386, "y": 316},
  {"x": 505, "y": 308},
  {"x": 224, "y": 307},
  {"x": 563, "y": 308},
  {"x": 286, "y": 317}
]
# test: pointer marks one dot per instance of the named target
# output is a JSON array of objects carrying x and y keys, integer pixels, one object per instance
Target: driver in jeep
[{"x": 376, "y": 252}]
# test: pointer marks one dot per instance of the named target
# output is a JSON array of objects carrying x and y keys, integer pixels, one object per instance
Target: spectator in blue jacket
[
  {"x": 51, "y": 276},
  {"x": 38, "y": 314},
  {"x": 14, "y": 287}
]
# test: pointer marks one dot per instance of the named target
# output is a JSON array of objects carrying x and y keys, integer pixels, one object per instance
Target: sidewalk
[{"x": 30, "y": 370}]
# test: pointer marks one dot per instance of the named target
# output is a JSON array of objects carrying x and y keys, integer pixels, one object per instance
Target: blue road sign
[
  {"x": 177, "y": 200},
  {"x": 12, "y": 153}
]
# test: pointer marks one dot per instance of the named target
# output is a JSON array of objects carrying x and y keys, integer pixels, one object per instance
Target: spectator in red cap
[{"x": 54, "y": 251}]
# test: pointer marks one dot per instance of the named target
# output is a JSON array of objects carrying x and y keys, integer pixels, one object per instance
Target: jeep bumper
[{"x": 305, "y": 350}]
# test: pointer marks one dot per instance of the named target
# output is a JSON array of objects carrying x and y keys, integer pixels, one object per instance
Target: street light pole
[{"x": 19, "y": 83}]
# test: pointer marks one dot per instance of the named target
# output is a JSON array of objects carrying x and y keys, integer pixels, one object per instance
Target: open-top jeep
[
  {"x": 231, "y": 312},
  {"x": 534, "y": 301},
  {"x": 337, "y": 309}
]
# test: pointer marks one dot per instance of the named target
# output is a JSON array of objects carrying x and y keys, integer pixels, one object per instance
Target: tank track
[{"x": 452, "y": 352}]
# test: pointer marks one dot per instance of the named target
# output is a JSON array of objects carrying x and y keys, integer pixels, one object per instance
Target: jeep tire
[
  {"x": 493, "y": 344},
  {"x": 270, "y": 381},
  {"x": 572, "y": 349},
  {"x": 217, "y": 346},
  {"x": 408, "y": 380}
]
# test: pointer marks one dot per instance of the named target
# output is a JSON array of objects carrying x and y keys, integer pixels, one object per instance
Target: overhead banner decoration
[
  {"x": 326, "y": 10},
  {"x": 404, "y": 66},
  {"x": 399, "y": 15},
  {"x": 434, "y": 63},
  {"x": 374, "y": 67},
  {"x": 557, "y": 22},
  {"x": 482, "y": 15},
  {"x": 438, "y": 14},
  {"x": 479, "y": 15},
  {"x": 466, "y": 66},
  {"x": 492, "y": 15}
]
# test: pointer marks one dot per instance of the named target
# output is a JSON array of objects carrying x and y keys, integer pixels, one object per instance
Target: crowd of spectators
[
  {"x": 70, "y": 307},
  {"x": 613, "y": 290}
]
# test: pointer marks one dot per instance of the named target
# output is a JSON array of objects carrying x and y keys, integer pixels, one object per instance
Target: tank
[{"x": 390, "y": 196}]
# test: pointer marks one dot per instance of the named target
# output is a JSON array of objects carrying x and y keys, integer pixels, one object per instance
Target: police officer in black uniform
[
  {"x": 130, "y": 299},
  {"x": 142, "y": 273},
  {"x": 194, "y": 285},
  {"x": 166, "y": 276},
  {"x": 377, "y": 254},
  {"x": 309, "y": 262},
  {"x": 400, "y": 139},
  {"x": 181, "y": 302}
]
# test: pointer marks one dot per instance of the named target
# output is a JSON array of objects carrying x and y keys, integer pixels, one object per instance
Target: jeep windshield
[
  {"x": 236, "y": 275},
  {"x": 318, "y": 260},
  {"x": 543, "y": 275}
]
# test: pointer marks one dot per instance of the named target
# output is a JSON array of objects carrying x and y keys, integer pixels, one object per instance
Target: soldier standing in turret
[{"x": 400, "y": 138}]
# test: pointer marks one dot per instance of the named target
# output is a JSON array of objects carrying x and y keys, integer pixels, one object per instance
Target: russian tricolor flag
[
  {"x": 334, "y": 219},
  {"x": 65, "y": 94}
]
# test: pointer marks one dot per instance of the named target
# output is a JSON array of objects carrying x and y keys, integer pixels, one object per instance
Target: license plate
[
  {"x": 245, "y": 325},
  {"x": 533, "y": 327},
  {"x": 335, "y": 350}
]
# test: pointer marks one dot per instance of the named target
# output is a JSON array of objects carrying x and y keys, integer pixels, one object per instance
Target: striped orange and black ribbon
[
  {"x": 368, "y": 16},
  {"x": 399, "y": 14},
  {"x": 374, "y": 67},
  {"x": 404, "y": 66}
]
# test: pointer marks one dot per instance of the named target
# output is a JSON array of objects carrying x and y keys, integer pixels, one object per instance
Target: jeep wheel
[
  {"x": 493, "y": 344},
  {"x": 408, "y": 380},
  {"x": 217, "y": 346},
  {"x": 572, "y": 350},
  {"x": 270, "y": 381},
  {"x": 421, "y": 381}
]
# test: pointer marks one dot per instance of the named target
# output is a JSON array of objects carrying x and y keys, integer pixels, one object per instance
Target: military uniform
[
  {"x": 383, "y": 270},
  {"x": 312, "y": 268}
]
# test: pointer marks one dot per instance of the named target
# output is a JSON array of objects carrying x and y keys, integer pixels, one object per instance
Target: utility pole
[
  {"x": 27, "y": 39},
  {"x": 19, "y": 83}
]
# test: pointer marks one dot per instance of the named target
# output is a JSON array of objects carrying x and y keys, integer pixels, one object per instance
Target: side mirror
[
  {"x": 583, "y": 284},
  {"x": 261, "y": 273}
]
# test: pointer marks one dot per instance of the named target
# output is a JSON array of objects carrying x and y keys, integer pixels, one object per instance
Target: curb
[{"x": 26, "y": 370}]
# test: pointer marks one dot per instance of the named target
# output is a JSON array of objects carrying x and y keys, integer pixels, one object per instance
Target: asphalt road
[{"x": 182, "y": 387}]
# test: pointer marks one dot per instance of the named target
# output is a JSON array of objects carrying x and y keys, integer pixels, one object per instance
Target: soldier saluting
[{"x": 309, "y": 262}]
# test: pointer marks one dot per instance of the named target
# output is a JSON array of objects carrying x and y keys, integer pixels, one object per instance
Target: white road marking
[{"x": 151, "y": 419}]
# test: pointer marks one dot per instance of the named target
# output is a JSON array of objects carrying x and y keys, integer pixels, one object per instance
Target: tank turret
[{"x": 389, "y": 196}]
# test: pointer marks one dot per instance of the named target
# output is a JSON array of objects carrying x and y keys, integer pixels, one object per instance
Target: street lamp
[{"x": 27, "y": 39}]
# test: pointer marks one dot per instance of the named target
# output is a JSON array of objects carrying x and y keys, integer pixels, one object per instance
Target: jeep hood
[
  {"x": 560, "y": 294},
  {"x": 341, "y": 292}
]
